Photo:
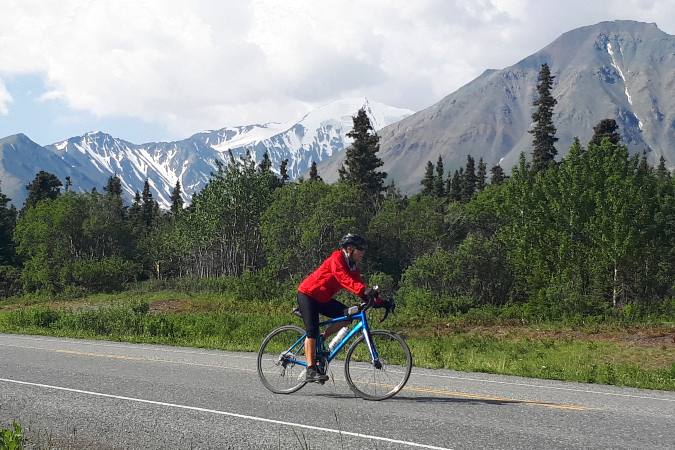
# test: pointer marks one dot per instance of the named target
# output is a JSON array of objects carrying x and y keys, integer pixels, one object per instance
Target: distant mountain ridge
[
  {"x": 93, "y": 157},
  {"x": 622, "y": 70}
]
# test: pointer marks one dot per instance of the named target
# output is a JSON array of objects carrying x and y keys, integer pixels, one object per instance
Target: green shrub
[
  {"x": 384, "y": 281},
  {"x": 12, "y": 438},
  {"x": 420, "y": 302},
  {"x": 259, "y": 285},
  {"x": 10, "y": 281},
  {"x": 33, "y": 317},
  {"x": 107, "y": 274}
]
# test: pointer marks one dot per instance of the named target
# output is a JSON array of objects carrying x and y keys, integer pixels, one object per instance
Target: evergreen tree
[
  {"x": 147, "y": 206},
  {"x": 469, "y": 181},
  {"x": 498, "y": 176},
  {"x": 361, "y": 161},
  {"x": 314, "y": 173},
  {"x": 114, "y": 186},
  {"x": 606, "y": 128},
  {"x": 439, "y": 185},
  {"x": 69, "y": 184},
  {"x": 7, "y": 224},
  {"x": 643, "y": 168},
  {"x": 544, "y": 151},
  {"x": 176, "y": 200},
  {"x": 283, "y": 171},
  {"x": 481, "y": 176},
  {"x": 44, "y": 186},
  {"x": 266, "y": 163},
  {"x": 136, "y": 214},
  {"x": 661, "y": 171},
  {"x": 456, "y": 185},
  {"x": 428, "y": 180}
]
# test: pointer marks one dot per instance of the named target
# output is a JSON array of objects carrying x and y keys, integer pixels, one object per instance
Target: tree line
[{"x": 592, "y": 232}]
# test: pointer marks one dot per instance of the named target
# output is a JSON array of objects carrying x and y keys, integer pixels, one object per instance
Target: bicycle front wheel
[
  {"x": 276, "y": 360},
  {"x": 382, "y": 379}
]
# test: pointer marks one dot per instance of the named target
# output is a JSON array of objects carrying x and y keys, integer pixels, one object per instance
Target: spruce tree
[
  {"x": 456, "y": 186},
  {"x": 469, "y": 181},
  {"x": 266, "y": 163},
  {"x": 361, "y": 161},
  {"x": 606, "y": 128},
  {"x": 114, "y": 186},
  {"x": 428, "y": 180},
  {"x": 7, "y": 224},
  {"x": 481, "y": 175},
  {"x": 544, "y": 151},
  {"x": 662, "y": 172},
  {"x": 498, "y": 176},
  {"x": 147, "y": 206},
  {"x": 136, "y": 212},
  {"x": 283, "y": 171},
  {"x": 314, "y": 173},
  {"x": 643, "y": 168},
  {"x": 439, "y": 185},
  {"x": 176, "y": 199},
  {"x": 44, "y": 186},
  {"x": 69, "y": 184}
]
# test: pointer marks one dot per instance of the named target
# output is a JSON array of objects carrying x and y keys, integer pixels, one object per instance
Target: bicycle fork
[{"x": 371, "y": 347}]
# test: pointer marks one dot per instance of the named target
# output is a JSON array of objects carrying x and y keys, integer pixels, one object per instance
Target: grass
[
  {"x": 11, "y": 438},
  {"x": 641, "y": 355}
]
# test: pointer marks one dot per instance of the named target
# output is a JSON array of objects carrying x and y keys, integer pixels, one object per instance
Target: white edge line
[
  {"x": 224, "y": 413},
  {"x": 230, "y": 355}
]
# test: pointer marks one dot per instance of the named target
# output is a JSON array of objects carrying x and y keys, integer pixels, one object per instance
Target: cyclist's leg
[
  {"x": 333, "y": 309},
  {"x": 310, "y": 316}
]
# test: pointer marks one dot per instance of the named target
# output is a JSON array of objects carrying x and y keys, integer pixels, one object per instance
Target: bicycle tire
[
  {"x": 358, "y": 358},
  {"x": 270, "y": 361}
]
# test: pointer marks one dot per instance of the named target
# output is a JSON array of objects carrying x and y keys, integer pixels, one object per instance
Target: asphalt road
[{"x": 99, "y": 394}]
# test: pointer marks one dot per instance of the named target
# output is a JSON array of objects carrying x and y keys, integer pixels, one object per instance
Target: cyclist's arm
[{"x": 348, "y": 280}]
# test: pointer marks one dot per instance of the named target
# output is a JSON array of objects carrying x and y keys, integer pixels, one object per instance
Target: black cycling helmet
[{"x": 354, "y": 240}]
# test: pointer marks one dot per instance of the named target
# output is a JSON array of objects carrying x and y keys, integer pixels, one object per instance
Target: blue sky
[
  {"x": 165, "y": 69},
  {"x": 50, "y": 121}
]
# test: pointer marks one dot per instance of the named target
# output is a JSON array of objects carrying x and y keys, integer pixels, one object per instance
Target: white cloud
[
  {"x": 5, "y": 99},
  {"x": 208, "y": 63}
]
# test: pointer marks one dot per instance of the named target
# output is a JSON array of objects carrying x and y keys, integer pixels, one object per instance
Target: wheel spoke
[
  {"x": 276, "y": 368},
  {"x": 370, "y": 382}
]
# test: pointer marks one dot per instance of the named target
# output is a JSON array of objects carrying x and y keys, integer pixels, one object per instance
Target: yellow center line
[
  {"x": 415, "y": 389},
  {"x": 137, "y": 358}
]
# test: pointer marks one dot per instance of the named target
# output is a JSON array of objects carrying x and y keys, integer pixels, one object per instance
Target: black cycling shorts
[{"x": 310, "y": 310}]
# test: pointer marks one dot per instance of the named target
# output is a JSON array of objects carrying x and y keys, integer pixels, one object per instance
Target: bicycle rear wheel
[
  {"x": 276, "y": 367},
  {"x": 373, "y": 381}
]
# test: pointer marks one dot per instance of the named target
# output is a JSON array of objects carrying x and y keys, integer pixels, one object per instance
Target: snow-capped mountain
[
  {"x": 90, "y": 159},
  {"x": 317, "y": 136}
]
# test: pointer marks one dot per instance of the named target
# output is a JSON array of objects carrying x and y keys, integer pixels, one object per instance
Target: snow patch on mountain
[{"x": 317, "y": 136}]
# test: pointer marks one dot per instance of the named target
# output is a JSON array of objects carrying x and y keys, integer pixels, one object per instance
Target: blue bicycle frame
[{"x": 361, "y": 326}]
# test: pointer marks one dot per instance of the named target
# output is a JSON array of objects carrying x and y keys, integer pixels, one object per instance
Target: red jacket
[{"x": 331, "y": 276}]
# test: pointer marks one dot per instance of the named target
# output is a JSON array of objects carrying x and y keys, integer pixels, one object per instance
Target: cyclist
[{"x": 315, "y": 295}]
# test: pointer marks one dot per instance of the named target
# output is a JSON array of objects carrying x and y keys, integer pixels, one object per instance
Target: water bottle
[{"x": 338, "y": 337}]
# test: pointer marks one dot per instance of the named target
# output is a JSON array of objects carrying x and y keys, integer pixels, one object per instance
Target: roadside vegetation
[
  {"x": 11, "y": 438},
  {"x": 565, "y": 269}
]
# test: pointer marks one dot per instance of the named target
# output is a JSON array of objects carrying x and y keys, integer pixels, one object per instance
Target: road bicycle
[{"x": 377, "y": 364}]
